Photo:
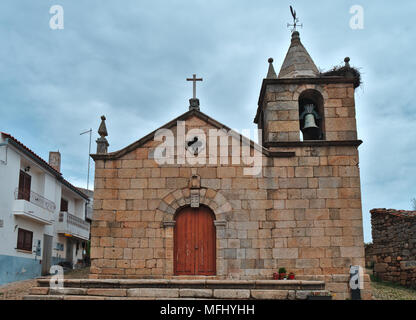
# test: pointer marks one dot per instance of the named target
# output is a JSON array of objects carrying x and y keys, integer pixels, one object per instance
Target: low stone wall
[
  {"x": 394, "y": 245},
  {"x": 370, "y": 257}
]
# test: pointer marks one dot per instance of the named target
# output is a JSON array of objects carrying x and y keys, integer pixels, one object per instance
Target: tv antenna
[{"x": 89, "y": 152}]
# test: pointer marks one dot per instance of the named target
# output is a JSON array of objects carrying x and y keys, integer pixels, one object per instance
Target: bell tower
[
  {"x": 312, "y": 114},
  {"x": 301, "y": 104}
]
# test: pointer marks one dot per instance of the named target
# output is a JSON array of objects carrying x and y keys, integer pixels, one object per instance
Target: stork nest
[{"x": 345, "y": 71}]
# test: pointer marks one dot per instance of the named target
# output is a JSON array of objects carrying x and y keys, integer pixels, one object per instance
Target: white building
[{"x": 42, "y": 216}]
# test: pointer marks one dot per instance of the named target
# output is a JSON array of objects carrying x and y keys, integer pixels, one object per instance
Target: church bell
[
  {"x": 310, "y": 122},
  {"x": 310, "y": 128}
]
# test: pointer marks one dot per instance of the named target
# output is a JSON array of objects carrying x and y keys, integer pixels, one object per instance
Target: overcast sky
[{"x": 129, "y": 60}]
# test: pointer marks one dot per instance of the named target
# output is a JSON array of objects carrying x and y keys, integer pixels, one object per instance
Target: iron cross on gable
[{"x": 194, "y": 79}]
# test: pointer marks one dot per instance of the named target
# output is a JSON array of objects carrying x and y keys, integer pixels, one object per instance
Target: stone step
[
  {"x": 45, "y": 293},
  {"x": 191, "y": 284},
  {"x": 179, "y": 289},
  {"x": 64, "y": 297}
]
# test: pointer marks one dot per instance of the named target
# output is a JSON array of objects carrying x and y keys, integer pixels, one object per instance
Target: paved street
[{"x": 16, "y": 290}]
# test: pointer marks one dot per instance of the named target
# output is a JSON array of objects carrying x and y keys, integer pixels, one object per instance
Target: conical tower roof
[{"x": 298, "y": 63}]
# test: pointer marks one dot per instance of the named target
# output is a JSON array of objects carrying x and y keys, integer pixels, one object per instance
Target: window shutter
[
  {"x": 21, "y": 185},
  {"x": 28, "y": 240},
  {"x": 24, "y": 240},
  {"x": 64, "y": 205},
  {"x": 20, "y": 239},
  {"x": 25, "y": 181},
  {"x": 28, "y": 182}
]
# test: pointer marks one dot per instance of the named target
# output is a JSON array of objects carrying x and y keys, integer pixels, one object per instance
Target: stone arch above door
[{"x": 180, "y": 198}]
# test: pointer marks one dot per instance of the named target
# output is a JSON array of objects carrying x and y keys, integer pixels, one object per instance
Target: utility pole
[{"x": 89, "y": 152}]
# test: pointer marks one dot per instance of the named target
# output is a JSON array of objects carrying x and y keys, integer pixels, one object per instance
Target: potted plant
[
  {"x": 282, "y": 273},
  {"x": 291, "y": 276}
]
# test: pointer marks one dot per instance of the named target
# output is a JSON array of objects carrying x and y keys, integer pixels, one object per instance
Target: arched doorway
[{"x": 195, "y": 242}]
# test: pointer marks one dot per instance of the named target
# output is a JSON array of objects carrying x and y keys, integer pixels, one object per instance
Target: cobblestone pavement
[
  {"x": 388, "y": 291},
  {"x": 16, "y": 290}
]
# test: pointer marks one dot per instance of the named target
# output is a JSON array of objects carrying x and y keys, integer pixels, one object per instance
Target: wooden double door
[{"x": 195, "y": 242}]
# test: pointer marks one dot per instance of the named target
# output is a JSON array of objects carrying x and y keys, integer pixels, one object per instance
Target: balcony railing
[
  {"x": 35, "y": 198},
  {"x": 74, "y": 220},
  {"x": 88, "y": 213},
  {"x": 73, "y": 225}
]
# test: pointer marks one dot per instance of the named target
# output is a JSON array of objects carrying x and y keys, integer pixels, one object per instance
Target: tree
[{"x": 413, "y": 201}]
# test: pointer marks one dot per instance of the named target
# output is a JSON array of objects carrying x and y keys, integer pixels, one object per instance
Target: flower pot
[
  {"x": 282, "y": 276},
  {"x": 291, "y": 276},
  {"x": 275, "y": 276}
]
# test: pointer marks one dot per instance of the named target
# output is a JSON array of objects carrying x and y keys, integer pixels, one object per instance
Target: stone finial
[
  {"x": 347, "y": 62},
  {"x": 194, "y": 104},
  {"x": 102, "y": 143},
  {"x": 271, "y": 74},
  {"x": 102, "y": 130},
  {"x": 295, "y": 36},
  {"x": 348, "y": 73}
]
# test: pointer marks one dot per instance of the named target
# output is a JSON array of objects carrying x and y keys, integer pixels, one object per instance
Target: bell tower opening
[{"x": 311, "y": 115}]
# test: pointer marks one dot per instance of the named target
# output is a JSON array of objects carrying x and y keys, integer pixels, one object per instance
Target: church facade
[{"x": 288, "y": 202}]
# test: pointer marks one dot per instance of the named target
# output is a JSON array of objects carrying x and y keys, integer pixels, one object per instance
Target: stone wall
[
  {"x": 394, "y": 245},
  {"x": 370, "y": 257},
  {"x": 302, "y": 213}
]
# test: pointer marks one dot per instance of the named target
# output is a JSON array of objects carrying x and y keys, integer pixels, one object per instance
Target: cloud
[{"x": 129, "y": 61}]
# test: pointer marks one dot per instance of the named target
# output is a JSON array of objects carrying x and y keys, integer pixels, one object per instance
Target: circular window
[{"x": 194, "y": 146}]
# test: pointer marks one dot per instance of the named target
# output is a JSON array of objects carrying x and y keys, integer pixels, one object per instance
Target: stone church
[{"x": 300, "y": 209}]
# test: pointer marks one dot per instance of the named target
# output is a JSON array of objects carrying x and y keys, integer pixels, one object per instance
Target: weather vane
[{"x": 295, "y": 20}]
